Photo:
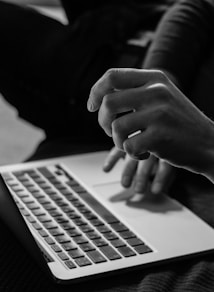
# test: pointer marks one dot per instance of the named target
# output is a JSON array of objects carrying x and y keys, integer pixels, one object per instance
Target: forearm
[{"x": 182, "y": 40}]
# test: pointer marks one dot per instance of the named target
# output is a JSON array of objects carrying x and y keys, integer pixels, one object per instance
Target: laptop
[{"x": 78, "y": 222}]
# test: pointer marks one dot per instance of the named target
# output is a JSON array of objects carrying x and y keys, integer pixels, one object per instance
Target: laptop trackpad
[{"x": 116, "y": 195}]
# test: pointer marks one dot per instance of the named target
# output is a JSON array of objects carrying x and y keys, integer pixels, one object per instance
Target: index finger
[{"x": 117, "y": 79}]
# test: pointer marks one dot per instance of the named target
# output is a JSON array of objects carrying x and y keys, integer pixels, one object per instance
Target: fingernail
[
  {"x": 156, "y": 188},
  {"x": 106, "y": 166},
  {"x": 126, "y": 181}
]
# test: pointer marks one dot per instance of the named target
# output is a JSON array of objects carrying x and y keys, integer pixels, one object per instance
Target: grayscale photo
[{"x": 106, "y": 145}]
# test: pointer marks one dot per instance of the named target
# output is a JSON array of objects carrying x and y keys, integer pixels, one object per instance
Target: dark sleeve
[{"x": 183, "y": 39}]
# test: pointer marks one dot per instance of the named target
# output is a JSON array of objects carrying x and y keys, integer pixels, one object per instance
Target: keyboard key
[
  {"x": 77, "y": 204},
  {"x": 76, "y": 253},
  {"x": 126, "y": 251},
  {"x": 55, "y": 213},
  {"x": 63, "y": 256},
  {"x": 73, "y": 215},
  {"x": 83, "y": 261},
  {"x": 86, "y": 228},
  {"x": 103, "y": 229},
  {"x": 89, "y": 215},
  {"x": 72, "y": 182},
  {"x": 87, "y": 247},
  {"x": 54, "y": 180},
  {"x": 78, "y": 189},
  {"x": 67, "y": 225},
  {"x": 62, "y": 238},
  {"x": 44, "y": 218},
  {"x": 38, "y": 195},
  {"x": 141, "y": 249},
  {"x": 119, "y": 227},
  {"x": 39, "y": 180},
  {"x": 31, "y": 172},
  {"x": 56, "y": 232},
  {"x": 70, "y": 264},
  {"x": 24, "y": 212},
  {"x": 68, "y": 246},
  {"x": 59, "y": 186},
  {"x": 27, "y": 200},
  {"x": 32, "y": 189},
  {"x": 49, "y": 240},
  {"x": 127, "y": 234},
  {"x": 43, "y": 200},
  {"x": 110, "y": 253},
  {"x": 61, "y": 203},
  {"x": 44, "y": 185},
  {"x": 33, "y": 206},
  {"x": 27, "y": 183},
  {"x": 80, "y": 239},
  {"x": 56, "y": 248},
  {"x": 30, "y": 218},
  {"x": 23, "y": 194},
  {"x": 52, "y": 193},
  {"x": 50, "y": 225},
  {"x": 92, "y": 235},
  {"x": 61, "y": 220},
  {"x": 117, "y": 243},
  {"x": 12, "y": 182},
  {"x": 96, "y": 256},
  {"x": 72, "y": 198},
  {"x": 37, "y": 226},
  {"x": 17, "y": 188},
  {"x": 110, "y": 235},
  {"x": 134, "y": 241},
  {"x": 74, "y": 232},
  {"x": 46, "y": 172},
  {"x": 79, "y": 222},
  {"x": 65, "y": 191},
  {"x": 84, "y": 210},
  {"x": 66, "y": 209},
  {"x": 96, "y": 222},
  {"x": 38, "y": 212},
  {"x": 49, "y": 207},
  {"x": 43, "y": 233},
  {"x": 100, "y": 242}
]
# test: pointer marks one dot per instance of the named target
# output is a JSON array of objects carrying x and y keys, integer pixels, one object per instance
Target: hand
[
  {"x": 153, "y": 173},
  {"x": 167, "y": 123}
]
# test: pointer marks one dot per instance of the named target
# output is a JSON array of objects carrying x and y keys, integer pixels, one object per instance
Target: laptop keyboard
[{"x": 77, "y": 227}]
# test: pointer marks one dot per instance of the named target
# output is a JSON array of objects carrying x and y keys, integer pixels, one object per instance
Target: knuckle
[
  {"x": 111, "y": 74},
  {"x": 163, "y": 92},
  {"x": 131, "y": 148},
  {"x": 161, "y": 76},
  {"x": 117, "y": 126},
  {"x": 162, "y": 112},
  {"x": 108, "y": 102}
]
